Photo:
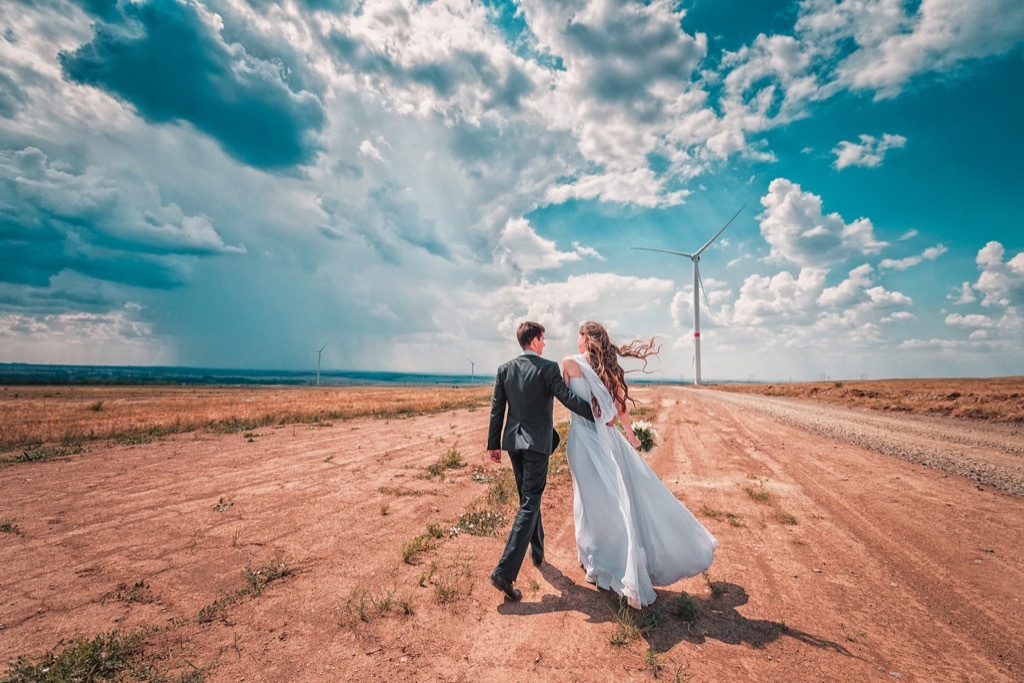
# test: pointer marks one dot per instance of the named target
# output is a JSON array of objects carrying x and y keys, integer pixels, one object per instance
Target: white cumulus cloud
[
  {"x": 869, "y": 152},
  {"x": 798, "y": 231},
  {"x": 528, "y": 251},
  {"x": 562, "y": 306},
  {"x": 763, "y": 298},
  {"x": 893, "y": 45},
  {"x": 1001, "y": 282},
  {"x": 963, "y": 294},
  {"x": 929, "y": 254},
  {"x": 974, "y": 320}
]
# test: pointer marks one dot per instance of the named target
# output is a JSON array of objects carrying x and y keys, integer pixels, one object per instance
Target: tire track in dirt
[
  {"x": 989, "y": 453},
  {"x": 703, "y": 460},
  {"x": 926, "y": 562}
]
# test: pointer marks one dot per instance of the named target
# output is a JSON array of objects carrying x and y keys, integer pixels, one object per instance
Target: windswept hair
[{"x": 604, "y": 358}]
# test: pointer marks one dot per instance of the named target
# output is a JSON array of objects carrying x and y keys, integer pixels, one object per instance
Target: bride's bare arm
[
  {"x": 570, "y": 368},
  {"x": 627, "y": 427}
]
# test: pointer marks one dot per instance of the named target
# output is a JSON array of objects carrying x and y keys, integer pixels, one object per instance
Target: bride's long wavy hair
[{"x": 604, "y": 359}]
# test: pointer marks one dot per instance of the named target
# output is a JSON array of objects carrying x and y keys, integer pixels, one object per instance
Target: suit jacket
[{"x": 526, "y": 386}]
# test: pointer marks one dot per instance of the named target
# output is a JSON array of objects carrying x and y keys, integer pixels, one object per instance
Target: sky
[{"x": 231, "y": 184}]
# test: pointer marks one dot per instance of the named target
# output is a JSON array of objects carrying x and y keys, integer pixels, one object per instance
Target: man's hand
[{"x": 495, "y": 455}]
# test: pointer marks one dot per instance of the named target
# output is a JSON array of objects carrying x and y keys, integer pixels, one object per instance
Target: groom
[{"x": 526, "y": 385}]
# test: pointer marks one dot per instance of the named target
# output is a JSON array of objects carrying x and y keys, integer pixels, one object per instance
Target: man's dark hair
[{"x": 527, "y": 332}]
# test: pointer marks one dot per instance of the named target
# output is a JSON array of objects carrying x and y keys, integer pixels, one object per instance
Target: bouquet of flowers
[{"x": 645, "y": 431}]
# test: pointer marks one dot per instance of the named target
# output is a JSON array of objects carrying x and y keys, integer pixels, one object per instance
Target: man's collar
[{"x": 529, "y": 352}]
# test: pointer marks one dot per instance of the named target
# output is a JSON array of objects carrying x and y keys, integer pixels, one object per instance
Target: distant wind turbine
[
  {"x": 698, "y": 286},
  {"x": 472, "y": 370},
  {"x": 318, "y": 353}
]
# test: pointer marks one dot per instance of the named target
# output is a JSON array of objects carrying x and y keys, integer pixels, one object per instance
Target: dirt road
[{"x": 837, "y": 561}]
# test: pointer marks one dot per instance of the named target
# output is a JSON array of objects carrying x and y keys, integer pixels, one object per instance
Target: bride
[{"x": 631, "y": 532}]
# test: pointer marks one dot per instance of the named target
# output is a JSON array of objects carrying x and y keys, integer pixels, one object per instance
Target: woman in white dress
[{"x": 631, "y": 532}]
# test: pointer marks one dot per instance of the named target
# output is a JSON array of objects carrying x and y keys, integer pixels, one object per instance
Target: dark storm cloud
[
  {"x": 462, "y": 69},
  {"x": 104, "y": 9},
  {"x": 171, "y": 66},
  {"x": 56, "y": 298},
  {"x": 54, "y": 219}
]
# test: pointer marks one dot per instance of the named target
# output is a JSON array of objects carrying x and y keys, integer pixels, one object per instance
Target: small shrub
[
  {"x": 653, "y": 662},
  {"x": 685, "y": 608},
  {"x": 450, "y": 586},
  {"x": 450, "y": 460},
  {"x": 633, "y": 624},
  {"x": 639, "y": 412},
  {"x": 398, "y": 491},
  {"x": 133, "y": 439},
  {"x": 223, "y": 504},
  {"x": 356, "y": 609},
  {"x": 759, "y": 494},
  {"x": 717, "y": 588},
  {"x": 41, "y": 453},
  {"x": 503, "y": 492},
  {"x": 414, "y": 547},
  {"x": 482, "y": 475},
  {"x": 786, "y": 518},
  {"x": 255, "y": 581},
  {"x": 139, "y": 593},
  {"x": 7, "y": 526},
  {"x": 480, "y": 523},
  {"x": 96, "y": 407},
  {"x": 709, "y": 511},
  {"x": 258, "y": 579},
  {"x": 108, "y": 656}
]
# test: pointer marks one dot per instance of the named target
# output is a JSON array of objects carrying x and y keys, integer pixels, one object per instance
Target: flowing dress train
[{"x": 632, "y": 533}]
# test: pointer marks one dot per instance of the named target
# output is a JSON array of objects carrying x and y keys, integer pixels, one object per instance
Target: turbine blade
[
  {"x": 698, "y": 252},
  {"x": 664, "y": 251},
  {"x": 704, "y": 292}
]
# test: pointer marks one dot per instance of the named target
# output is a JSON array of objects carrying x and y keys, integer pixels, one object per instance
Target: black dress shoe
[
  {"x": 537, "y": 561},
  {"x": 513, "y": 594}
]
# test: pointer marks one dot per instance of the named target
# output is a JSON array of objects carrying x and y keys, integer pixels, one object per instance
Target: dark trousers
[{"x": 531, "y": 471}]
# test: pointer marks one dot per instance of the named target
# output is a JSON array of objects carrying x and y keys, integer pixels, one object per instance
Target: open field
[
  {"x": 69, "y": 417},
  {"x": 357, "y": 547},
  {"x": 999, "y": 399}
]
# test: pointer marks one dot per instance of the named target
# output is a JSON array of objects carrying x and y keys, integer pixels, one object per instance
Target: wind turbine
[
  {"x": 318, "y": 353},
  {"x": 472, "y": 371},
  {"x": 698, "y": 285}
]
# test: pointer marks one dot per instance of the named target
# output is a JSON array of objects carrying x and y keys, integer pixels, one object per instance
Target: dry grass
[
  {"x": 998, "y": 399},
  {"x": 36, "y": 416}
]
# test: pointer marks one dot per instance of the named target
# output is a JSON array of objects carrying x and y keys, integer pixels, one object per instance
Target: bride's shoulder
[{"x": 571, "y": 365}]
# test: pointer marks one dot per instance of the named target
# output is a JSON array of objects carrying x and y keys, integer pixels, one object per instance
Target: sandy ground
[{"x": 892, "y": 569}]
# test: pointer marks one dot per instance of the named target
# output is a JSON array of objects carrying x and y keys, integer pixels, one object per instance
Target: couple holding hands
[{"x": 631, "y": 533}]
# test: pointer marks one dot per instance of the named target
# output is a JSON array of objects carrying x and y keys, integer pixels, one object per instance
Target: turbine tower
[
  {"x": 472, "y": 371},
  {"x": 697, "y": 286},
  {"x": 318, "y": 354}
]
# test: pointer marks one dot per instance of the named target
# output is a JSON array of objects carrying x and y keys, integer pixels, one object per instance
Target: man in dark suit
[{"x": 527, "y": 385}]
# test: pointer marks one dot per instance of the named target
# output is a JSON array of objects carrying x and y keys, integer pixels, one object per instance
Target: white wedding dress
[{"x": 631, "y": 532}]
